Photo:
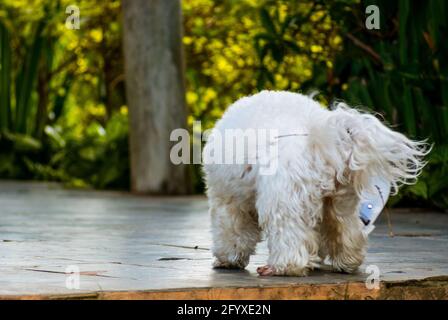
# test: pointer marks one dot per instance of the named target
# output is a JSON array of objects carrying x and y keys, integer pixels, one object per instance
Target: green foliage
[
  {"x": 223, "y": 41},
  {"x": 26, "y": 79},
  {"x": 63, "y": 114},
  {"x": 5, "y": 78},
  {"x": 98, "y": 159},
  {"x": 400, "y": 71},
  {"x": 306, "y": 31}
]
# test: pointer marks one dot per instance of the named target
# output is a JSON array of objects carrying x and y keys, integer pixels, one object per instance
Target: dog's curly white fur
[{"x": 308, "y": 209}]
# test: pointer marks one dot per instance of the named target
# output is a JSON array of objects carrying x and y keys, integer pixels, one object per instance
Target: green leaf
[
  {"x": 403, "y": 15},
  {"x": 27, "y": 79},
  {"x": 293, "y": 46},
  {"x": 23, "y": 142},
  {"x": 5, "y": 78},
  {"x": 420, "y": 189},
  {"x": 427, "y": 127},
  {"x": 267, "y": 22},
  {"x": 443, "y": 121},
  {"x": 408, "y": 111}
]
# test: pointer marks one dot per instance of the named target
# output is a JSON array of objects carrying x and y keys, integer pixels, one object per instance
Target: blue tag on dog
[{"x": 373, "y": 202}]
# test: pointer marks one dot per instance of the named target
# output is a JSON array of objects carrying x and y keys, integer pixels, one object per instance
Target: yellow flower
[
  {"x": 82, "y": 64},
  {"x": 188, "y": 40},
  {"x": 316, "y": 48},
  {"x": 223, "y": 65},
  {"x": 248, "y": 23},
  {"x": 240, "y": 62},
  {"x": 237, "y": 49},
  {"x": 96, "y": 35},
  {"x": 209, "y": 95},
  {"x": 317, "y": 16},
  {"x": 192, "y": 97},
  {"x": 198, "y": 22},
  {"x": 73, "y": 44},
  {"x": 190, "y": 120},
  {"x": 216, "y": 44},
  {"x": 336, "y": 40},
  {"x": 97, "y": 110},
  {"x": 124, "y": 110},
  {"x": 283, "y": 11}
]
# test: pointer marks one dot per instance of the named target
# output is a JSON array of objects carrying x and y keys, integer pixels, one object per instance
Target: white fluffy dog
[{"x": 308, "y": 208}]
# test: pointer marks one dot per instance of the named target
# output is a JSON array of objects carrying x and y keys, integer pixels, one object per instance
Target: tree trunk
[{"x": 155, "y": 90}]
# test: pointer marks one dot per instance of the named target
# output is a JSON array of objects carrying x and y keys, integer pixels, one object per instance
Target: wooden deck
[{"x": 135, "y": 247}]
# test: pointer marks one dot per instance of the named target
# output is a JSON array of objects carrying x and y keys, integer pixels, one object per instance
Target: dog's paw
[
  {"x": 290, "y": 271},
  {"x": 217, "y": 264},
  {"x": 340, "y": 267},
  {"x": 266, "y": 271}
]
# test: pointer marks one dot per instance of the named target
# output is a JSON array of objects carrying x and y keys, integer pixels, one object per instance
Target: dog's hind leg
[
  {"x": 342, "y": 238},
  {"x": 235, "y": 233}
]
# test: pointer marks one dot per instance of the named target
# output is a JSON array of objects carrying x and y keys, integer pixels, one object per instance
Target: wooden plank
[{"x": 153, "y": 247}]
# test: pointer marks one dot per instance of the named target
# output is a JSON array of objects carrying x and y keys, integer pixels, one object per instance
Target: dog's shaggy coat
[{"x": 308, "y": 209}]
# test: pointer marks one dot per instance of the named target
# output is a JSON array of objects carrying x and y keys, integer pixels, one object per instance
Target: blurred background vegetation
[{"x": 63, "y": 113}]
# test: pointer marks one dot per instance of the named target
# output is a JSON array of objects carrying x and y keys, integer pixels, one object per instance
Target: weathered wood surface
[{"x": 156, "y": 248}]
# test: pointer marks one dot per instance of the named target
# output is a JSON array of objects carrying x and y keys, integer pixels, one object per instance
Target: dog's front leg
[{"x": 289, "y": 226}]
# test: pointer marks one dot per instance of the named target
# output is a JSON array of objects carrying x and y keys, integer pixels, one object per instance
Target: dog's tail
[{"x": 359, "y": 146}]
